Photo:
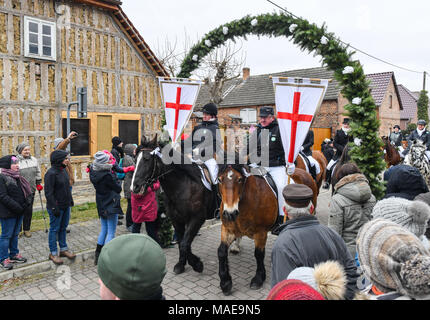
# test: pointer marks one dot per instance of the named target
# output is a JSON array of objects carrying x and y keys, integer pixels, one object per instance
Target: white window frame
[
  {"x": 245, "y": 119},
  {"x": 40, "y": 23}
]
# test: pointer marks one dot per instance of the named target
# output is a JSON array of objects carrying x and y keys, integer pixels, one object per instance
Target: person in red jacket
[{"x": 144, "y": 209}]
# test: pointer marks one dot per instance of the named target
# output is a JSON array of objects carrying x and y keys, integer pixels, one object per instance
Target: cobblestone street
[{"x": 79, "y": 281}]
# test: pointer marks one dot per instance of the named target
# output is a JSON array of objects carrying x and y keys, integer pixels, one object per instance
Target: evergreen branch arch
[{"x": 308, "y": 36}]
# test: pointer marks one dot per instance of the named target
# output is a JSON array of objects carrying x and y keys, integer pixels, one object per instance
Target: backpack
[{"x": 120, "y": 176}]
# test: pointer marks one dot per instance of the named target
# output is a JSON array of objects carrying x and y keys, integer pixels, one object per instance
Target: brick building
[{"x": 243, "y": 97}]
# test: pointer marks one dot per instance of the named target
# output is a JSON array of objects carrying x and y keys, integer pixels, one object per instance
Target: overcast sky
[{"x": 395, "y": 31}]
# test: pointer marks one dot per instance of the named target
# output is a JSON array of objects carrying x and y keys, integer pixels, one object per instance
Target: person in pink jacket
[{"x": 144, "y": 209}]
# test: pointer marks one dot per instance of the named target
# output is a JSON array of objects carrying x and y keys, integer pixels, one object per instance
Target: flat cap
[
  {"x": 297, "y": 195},
  {"x": 266, "y": 111}
]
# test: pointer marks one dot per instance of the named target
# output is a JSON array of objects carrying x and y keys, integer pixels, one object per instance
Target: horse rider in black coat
[
  {"x": 341, "y": 139},
  {"x": 420, "y": 133},
  {"x": 206, "y": 137},
  {"x": 268, "y": 137}
]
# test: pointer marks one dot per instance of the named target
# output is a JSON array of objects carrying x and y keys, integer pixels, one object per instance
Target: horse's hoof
[
  {"x": 256, "y": 283},
  {"x": 198, "y": 267},
  {"x": 179, "y": 268},
  {"x": 226, "y": 287}
]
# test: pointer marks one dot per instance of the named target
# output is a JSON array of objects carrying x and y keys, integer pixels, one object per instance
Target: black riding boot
[
  {"x": 277, "y": 226},
  {"x": 97, "y": 253},
  {"x": 327, "y": 179},
  {"x": 313, "y": 172}
]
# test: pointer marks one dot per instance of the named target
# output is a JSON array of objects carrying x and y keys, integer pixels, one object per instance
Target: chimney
[{"x": 246, "y": 72}]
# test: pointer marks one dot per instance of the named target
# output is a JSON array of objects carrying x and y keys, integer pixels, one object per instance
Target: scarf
[
  {"x": 346, "y": 130},
  {"x": 420, "y": 132},
  {"x": 25, "y": 186},
  {"x": 102, "y": 166}
]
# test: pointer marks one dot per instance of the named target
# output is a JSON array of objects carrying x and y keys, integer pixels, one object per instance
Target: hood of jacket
[
  {"x": 354, "y": 187},
  {"x": 57, "y": 157},
  {"x": 129, "y": 148},
  {"x": 97, "y": 175}
]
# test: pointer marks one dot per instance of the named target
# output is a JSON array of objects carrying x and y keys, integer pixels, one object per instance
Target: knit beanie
[
  {"x": 100, "y": 157},
  {"x": 21, "y": 147},
  {"x": 412, "y": 215},
  {"x": 6, "y": 161},
  {"x": 57, "y": 141},
  {"x": 293, "y": 290},
  {"x": 116, "y": 141},
  {"x": 328, "y": 278},
  {"x": 394, "y": 259},
  {"x": 132, "y": 266}
]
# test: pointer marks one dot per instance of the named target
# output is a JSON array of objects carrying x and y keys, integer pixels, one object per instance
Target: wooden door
[
  {"x": 319, "y": 135},
  {"x": 104, "y": 133}
]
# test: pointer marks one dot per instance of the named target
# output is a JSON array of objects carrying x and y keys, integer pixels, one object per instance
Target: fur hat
[
  {"x": 328, "y": 278},
  {"x": 394, "y": 259},
  {"x": 412, "y": 215},
  {"x": 293, "y": 290},
  {"x": 132, "y": 266}
]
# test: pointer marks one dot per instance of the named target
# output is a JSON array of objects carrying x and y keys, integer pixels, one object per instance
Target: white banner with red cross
[
  {"x": 297, "y": 101},
  {"x": 179, "y": 97}
]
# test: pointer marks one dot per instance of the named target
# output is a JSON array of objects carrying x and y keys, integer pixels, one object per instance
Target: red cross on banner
[
  {"x": 178, "y": 107},
  {"x": 295, "y": 117}
]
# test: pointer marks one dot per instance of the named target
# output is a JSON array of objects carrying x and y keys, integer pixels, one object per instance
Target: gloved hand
[
  {"x": 39, "y": 187},
  {"x": 128, "y": 169},
  {"x": 290, "y": 168}
]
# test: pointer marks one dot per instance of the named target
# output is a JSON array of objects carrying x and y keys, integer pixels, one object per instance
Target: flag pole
[{"x": 311, "y": 79}]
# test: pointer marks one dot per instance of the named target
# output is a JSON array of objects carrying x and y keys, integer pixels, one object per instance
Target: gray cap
[
  {"x": 422, "y": 122},
  {"x": 100, "y": 157}
]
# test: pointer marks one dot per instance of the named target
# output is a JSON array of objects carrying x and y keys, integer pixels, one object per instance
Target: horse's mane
[
  {"x": 344, "y": 158},
  {"x": 235, "y": 164},
  {"x": 191, "y": 170}
]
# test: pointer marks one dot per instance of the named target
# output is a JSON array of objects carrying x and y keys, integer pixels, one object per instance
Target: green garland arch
[{"x": 349, "y": 73}]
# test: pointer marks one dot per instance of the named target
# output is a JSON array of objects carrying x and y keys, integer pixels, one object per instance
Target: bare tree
[{"x": 221, "y": 65}]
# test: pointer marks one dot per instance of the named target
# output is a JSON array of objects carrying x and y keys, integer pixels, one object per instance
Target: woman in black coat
[
  {"x": 15, "y": 197},
  {"x": 58, "y": 202},
  {"x": 108, "y": 198}
]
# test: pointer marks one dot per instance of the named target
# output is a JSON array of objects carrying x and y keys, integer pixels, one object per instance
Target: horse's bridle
[
  {"x": 243, "y": 188},
  {"x": 153, "y": 177}
]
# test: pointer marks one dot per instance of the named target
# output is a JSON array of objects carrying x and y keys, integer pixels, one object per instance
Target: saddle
[
  {"x": 206, "y": 176},
  {"x": 263, "y": 174}
]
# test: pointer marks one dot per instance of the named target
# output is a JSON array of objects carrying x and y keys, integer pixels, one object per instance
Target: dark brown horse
[
  {"x": 391, "y": 156},
  {"x": 248, "y": 208},
  {"x": 318, "y": 156}
]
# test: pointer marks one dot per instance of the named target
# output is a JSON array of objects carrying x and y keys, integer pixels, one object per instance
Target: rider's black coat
[
  {"x": 308, "y": 143},
  {"x": 425, "y": 138},
  {"x": 341, "y": 139},
  {"x": 276, "y": 149}
]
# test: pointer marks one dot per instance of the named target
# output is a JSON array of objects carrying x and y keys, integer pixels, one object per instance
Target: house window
[
  {"x": 79, "y": 146},
  {"x": 39, "y": 39},
  {"x": 129, "y": 131},
  {"x": 248, "y": 115},
  {"x": 390, "y": 101}
]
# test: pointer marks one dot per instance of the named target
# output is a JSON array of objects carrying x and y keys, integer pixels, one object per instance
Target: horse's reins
[{"x": 152, "y": 178}]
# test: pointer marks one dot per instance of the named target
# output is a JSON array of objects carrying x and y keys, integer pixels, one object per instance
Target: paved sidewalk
[{"x": 43, "y": 280}]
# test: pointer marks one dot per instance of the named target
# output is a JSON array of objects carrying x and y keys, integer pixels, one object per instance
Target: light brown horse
[
  {"x": 300, "y": 176},
  {"x": 318, "y": 156},
  {"x": 248, "y": 208},
  {"x": 391, "y": 156}
]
